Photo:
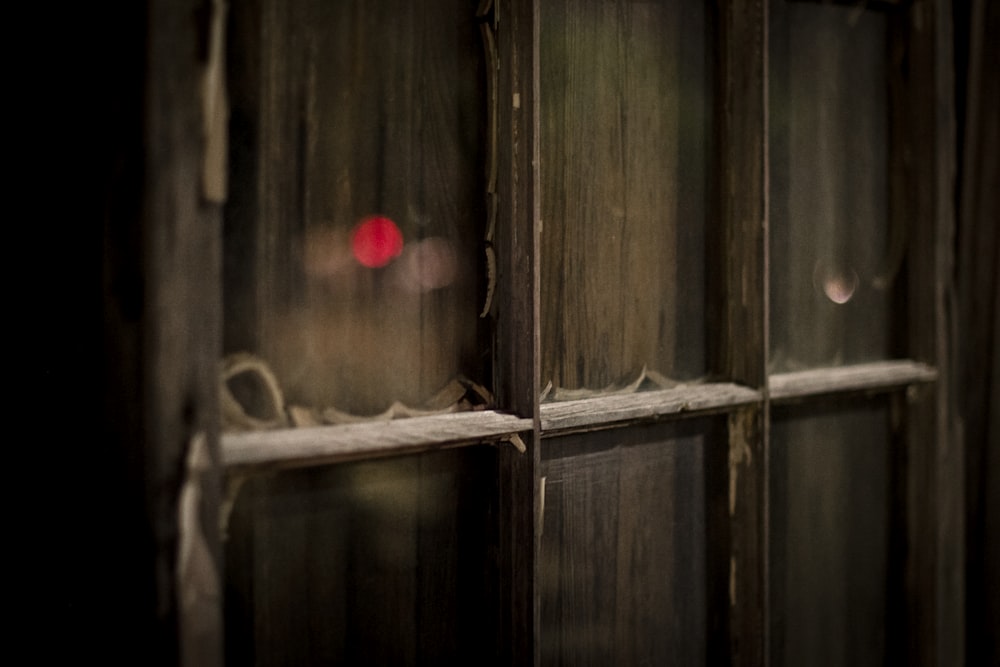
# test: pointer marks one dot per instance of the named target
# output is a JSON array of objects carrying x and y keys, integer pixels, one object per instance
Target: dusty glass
[
  {"x": 354, "y": 231},
  {"x": 830, "y": 522},
  {"x": 832, "y": 262},
  {"x": 625, "y": 130}
]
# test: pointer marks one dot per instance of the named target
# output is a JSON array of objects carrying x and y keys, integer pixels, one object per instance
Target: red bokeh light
[{"x": 376, "y": 241}]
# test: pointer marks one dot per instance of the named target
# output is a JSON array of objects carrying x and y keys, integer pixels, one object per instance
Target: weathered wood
[
  {"x": 739, "y": 342},
  {"x": 305, "y": 447},
  {"x": 516, "y": 314},
  {"x": 608, "y": 410},
  {"x": 739, "y": 323},
  {"x": 949, "y": 463},
  {"x": 748, "y": 470},
  {"x": 876, "y": 376}
]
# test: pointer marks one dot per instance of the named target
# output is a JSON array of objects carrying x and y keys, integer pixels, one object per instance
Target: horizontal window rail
[
  {"x": 602, "y": 411},
  {"x": 876, "y": 376},
  {"x": 302, "y": 447}
]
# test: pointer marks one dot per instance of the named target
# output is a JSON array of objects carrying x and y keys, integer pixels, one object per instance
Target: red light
[{"x": 376, "y": 241}]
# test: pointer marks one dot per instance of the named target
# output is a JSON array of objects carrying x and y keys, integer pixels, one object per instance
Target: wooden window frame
[{"x": 922, "y": 165}]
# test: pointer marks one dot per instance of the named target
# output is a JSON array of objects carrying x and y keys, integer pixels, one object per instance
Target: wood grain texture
[
  {"x": 879, "y": 375},
  {"x": 748, "y": 467},
  {"x": 740, "y": 327},
  {"x": 950, "y": 463},
  {"x": 304, "y": 447},
  {"x": 607, "y": 410},
  {"x": 516, "y": 324},
  {"x": 738, "y": 341}
]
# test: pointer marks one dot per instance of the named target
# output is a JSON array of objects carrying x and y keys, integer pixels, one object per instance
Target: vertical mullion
[
  {"x": 741, "y": 345},
  {"x": 949, "y": 456},
  {"x": 922, "y": 201},
  {"x": 741, "y": 339},
  {"x": 517, "y": 325}
]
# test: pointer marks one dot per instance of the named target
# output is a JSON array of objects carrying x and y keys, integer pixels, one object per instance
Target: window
[{"x": 639, "y": 361}]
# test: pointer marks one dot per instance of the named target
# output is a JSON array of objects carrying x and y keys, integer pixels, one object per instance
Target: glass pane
[
  {"x": 354, "y": 230},
  {"x": 830, "y": 536},
  {"x": 371, "y": 563},
  {"x": 831, "y": 263},
  {"x": 625, "y": 123},
  {"x": 625, "y": 570}
]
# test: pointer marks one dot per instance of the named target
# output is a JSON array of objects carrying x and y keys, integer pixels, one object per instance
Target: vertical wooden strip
[
  {"x": 739, "y": 282},
  {"x": 739, "y": 343},
  {"x": 922, "y": 193},
  {"x": 747, "y": 461},
  {"x": 179, "y": 342},
  {"x": 517, "y": 314},
  {"x": 949, "y": 463}
]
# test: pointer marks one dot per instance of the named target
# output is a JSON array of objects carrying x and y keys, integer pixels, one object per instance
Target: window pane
[
  {"x": 354, "y": 232},
  {"x": 624, "y": 567},
  {"x": 832, "y": 267},
  {"x": 625, "y": 121},
  {"x": 830, "y": 531},
  {"x": 371, "y": 563}
]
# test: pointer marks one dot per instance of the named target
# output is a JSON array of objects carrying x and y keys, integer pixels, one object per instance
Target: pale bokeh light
[
  {"x": 427, "y": 265},
  {"x": 838, "y": 284}
]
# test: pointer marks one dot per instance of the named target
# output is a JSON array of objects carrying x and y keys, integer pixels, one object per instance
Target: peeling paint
[
  {"x": 541, "y": 506},
  {"x": 197, "y": 575},
  {"x": 215, "y": 111},
  {"x": 739, "y": 453}
]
